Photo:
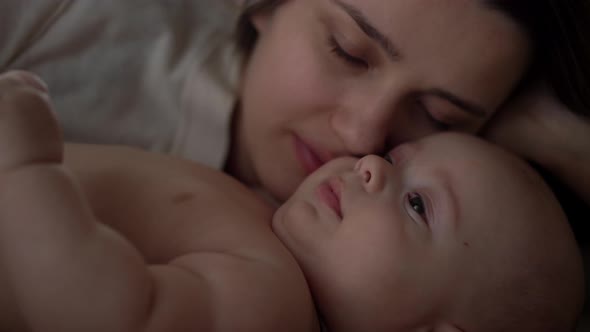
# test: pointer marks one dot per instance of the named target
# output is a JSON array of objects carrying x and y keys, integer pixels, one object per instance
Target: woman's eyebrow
[{"x": 369, "y": 29}]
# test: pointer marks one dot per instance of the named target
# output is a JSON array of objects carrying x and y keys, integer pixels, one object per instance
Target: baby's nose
[{"x": 372, "y": 170}]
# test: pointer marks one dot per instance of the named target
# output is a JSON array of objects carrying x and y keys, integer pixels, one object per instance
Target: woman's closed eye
[
  {"x": 438, "y": 124},
  {"x": 345, "y": 56}
]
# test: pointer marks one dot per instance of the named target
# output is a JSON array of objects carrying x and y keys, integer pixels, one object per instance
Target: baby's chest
[{"x": 168, "y": 220}]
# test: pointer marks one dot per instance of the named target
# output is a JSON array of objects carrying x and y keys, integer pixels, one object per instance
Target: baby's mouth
[{"x": 330, "y": 194}]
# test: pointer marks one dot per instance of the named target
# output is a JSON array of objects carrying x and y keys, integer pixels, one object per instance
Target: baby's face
[{"x": 401, "y": 245}]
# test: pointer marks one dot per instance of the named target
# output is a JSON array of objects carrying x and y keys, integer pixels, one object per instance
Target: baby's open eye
[
  {"x": 416, "y": 208},
  {"x": 417, "y": 204}
]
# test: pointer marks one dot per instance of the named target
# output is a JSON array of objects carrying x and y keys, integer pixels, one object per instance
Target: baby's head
[{"x": 453, "y": 235}]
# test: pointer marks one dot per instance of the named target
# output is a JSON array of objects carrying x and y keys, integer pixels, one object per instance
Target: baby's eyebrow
[{"x": 449, "y": 198}]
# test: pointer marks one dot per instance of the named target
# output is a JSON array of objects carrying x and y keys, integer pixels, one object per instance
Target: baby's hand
[{"x": 29, "y": 132}]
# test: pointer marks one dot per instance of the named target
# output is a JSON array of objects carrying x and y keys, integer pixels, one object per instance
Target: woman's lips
[
  {"x": 329, "y": 193},
  {"x": 307, "y": 156}
]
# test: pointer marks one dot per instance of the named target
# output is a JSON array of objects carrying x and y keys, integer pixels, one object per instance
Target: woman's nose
[
  {"x": 372, "y": 170},
  {"x": 365, "y": 128}
]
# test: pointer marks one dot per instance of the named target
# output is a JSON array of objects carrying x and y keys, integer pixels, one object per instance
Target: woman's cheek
[{"x": 312, "y": 80}]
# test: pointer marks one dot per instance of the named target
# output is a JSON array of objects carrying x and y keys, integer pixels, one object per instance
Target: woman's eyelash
[
  {"x": 439, "y": 124},
  {"x": 342, "y": 54},
  {"x": 442, "y": 126}
]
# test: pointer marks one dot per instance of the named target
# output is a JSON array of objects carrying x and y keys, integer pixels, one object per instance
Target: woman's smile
[{"x": 307, "y": 155}]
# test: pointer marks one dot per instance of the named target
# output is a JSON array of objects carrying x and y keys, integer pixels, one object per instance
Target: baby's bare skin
[
  {"x": 169, "y": 207},
  {"x": 117, "y": 239}
]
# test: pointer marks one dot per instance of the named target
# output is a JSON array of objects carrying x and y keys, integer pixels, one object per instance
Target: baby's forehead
[
  {"x": 509, "y": 203},
  {"x": 487, "y": 181}
]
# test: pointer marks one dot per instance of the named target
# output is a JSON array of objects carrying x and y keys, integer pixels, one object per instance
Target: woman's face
[{"x": 352, "y": 77}]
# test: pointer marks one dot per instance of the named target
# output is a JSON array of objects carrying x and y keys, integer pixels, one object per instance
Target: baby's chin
[{"x": 282, "y": 225}]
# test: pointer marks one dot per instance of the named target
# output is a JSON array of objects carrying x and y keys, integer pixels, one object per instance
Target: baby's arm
[
  {"x": 63, "y": 266},
  {"x": 68, "y": 272}
]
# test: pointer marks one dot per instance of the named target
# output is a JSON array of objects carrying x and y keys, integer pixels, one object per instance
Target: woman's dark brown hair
[
  {"x": 246, "y": 33},
  {"x": 560, "y": 32}
]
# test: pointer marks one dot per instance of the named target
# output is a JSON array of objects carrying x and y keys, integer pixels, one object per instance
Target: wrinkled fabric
[{"x": 159, "y": 75}]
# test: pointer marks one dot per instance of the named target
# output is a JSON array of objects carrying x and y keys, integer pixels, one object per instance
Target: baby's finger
[
  {"x": 29, "y": 131},
  {"x": 15, "y": 79}
]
